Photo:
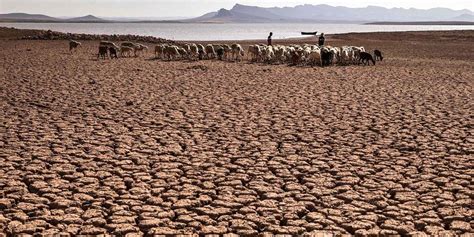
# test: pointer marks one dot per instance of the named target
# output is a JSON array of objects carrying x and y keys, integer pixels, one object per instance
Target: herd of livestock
[{"x": 306, "y": 54}]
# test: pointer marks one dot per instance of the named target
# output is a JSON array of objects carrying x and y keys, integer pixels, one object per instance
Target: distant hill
[
  {"x": 88, "y": 18},
  {"x": 24, "y": 17},
  {"x": 327, "y": 13},
  {"x": 464, "y": 17},
  {"x": 223, "y": 16}
]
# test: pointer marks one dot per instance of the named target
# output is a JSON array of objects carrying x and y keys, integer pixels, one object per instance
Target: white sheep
[
  {"x": 237, "y": 52},
  {"x": 255, "y": 52},
  {"x": 346, "y": 55},
  {"x": 126, "y": 51},
  {"x": 314, "y": 57},
  {"x": 193, "y": 52},
  {"x": 210, "y": 52},
  {"x": 269, "y": 54},
  {"x": 280, "y": 53},
  {"x": 227, "y": 51},
  {"x": 140, "y": 48},
  {"x": 159, "y": 49},
  {"x": 305, "y": 54},
  {"x": 183, "y": 53},
  {"x": 171, "y": 52},
  {"x": 201, "y": 51}
]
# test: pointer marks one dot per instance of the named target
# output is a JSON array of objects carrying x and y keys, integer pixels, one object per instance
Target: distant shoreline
[
  {"x": 421, "y": 23},
  {"x": 19, "y": 34},
  {"x": 209, "y": 22}
]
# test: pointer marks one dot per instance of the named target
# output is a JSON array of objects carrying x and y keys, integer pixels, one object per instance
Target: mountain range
[
  {"x": 24, "y": 17},
  {"x": 327, "y": 13},
  {"x": 302, "y": 13}
]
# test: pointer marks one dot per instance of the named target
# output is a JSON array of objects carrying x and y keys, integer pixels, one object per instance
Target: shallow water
[{"x": 230, "y": 31}]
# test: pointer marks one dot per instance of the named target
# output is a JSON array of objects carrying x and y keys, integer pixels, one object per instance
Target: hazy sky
[{"x": 170, "y": 8}]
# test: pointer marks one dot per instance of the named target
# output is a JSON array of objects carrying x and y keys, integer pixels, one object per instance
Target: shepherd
[
  {"x": 321, "y": 39},
  {"x": 269, "y": 40}
]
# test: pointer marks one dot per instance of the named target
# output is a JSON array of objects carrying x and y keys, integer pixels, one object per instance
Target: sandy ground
[{"x": 149, "y": 147}]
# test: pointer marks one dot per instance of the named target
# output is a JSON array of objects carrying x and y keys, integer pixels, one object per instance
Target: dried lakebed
[{"x": 136, "y": 146}]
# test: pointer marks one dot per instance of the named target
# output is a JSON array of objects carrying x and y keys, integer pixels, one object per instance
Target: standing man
[
  {"x": 321, "y": 39},
  {"x": 269, "y": 40}
]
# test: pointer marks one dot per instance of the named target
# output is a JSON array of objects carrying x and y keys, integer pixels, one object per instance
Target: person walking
[
  {"x": 269, "y": 40},
  {"x": 321, "y": 39}
]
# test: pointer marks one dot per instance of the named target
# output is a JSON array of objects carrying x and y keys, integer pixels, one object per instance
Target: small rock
[
  {"x": 214, "y": 230},
  {"x": 5, "y": 203},
  {"x": 162, "y": 231},
  {"x": 92, "y": 230},
  {"x": 460, "y": 226}
]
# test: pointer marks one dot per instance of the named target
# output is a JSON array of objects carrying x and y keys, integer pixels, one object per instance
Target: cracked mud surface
[{"x": 148, "y": 147}]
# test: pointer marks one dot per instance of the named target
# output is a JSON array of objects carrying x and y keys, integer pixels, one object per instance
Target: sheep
[
  {"x": 171, "y": 52},
  {"x": 255, "y": 52},
  {"x": 210, "y": 51},
  {"x": 74, "y": 44},
  {"x": 304, "y": 54},
  {"x": 182, "y": 52},
  {"x": 131, "y": 45},
  {"x": 268, "y": 53},
  {"x": 294, "y": 56},
  {"x": 126, "y": 51},
  {"x": 315, "y": 47},
  {"x": 220, "y": 51},
  {"x": 336, "y": 54},
  {"x": 298, "y": 56},
  {"x": 290, "y": 52},
  {"x": 102, "y": 52},
  {"x": 327, "y": 56},
  {"x": 227, "y": 51},
  {"x": 365, "y": 58},
  {"x": 314, "y": 57},
  {"x": 137, "y": 48},
  {"x": 346, "y": 55},
  {"x": 187, "y": 48},
  {"x": 357, "y": 50},
  {"x": 280, "y": 53},
  {"x": 193, "y": 52},
  {"x": 159, "y": 50},
  {"x": 237, "y": 52},
  {"x": 201, "y": 51},
  {"x": 378, "y": 55},
  {"x": 128, "y": 44},
  {"x": 109, "y": 44}
]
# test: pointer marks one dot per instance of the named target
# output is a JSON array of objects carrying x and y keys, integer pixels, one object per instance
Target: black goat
[
  {"x": 113, "y": 52},
  {"x": 220, "y": 53},
  {"x": 102, "y": 52},
  {"x": 378, "y": 55},
  {"x": 326, "y": 57},
  {"x": 365, "y": 58}
]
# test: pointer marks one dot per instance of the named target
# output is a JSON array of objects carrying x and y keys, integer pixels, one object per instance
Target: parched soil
[{"x": 141, "y": 146}]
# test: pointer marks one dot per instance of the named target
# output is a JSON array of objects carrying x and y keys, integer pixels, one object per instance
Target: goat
[
  {"x": 365, "y": 57},
  {"x": 378, "y": 55}
]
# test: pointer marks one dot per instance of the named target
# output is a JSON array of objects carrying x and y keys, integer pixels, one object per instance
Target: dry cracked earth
[{"x": 144, "y": 147}]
